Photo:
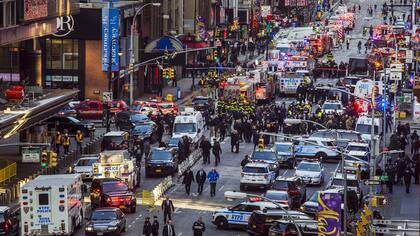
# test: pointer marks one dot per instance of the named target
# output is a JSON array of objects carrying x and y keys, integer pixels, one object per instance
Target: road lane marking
[
  {"x": 220, "y": 189},
  {"x": 180, "y": 234},
  {"x": 129, "y": 226}
]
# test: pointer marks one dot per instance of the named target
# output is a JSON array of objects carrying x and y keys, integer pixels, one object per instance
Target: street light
[
  {"x": 155, "y": 4},
  {"x": 242, "y": 195}
]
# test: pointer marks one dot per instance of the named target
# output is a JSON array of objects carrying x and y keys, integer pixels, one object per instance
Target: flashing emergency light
[{"x": 285, "y": 58}]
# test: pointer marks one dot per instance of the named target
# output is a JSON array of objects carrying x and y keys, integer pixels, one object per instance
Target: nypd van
[
  {"x": 237, "y": 216},
  {"x": 189, "y": 123},
  {"x": 52, "y": 205}
]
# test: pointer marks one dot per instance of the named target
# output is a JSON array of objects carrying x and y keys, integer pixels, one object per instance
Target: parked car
[
  {"x": 118, "y": 106},
  {"x": 311, "y": 172},
  {"x": 260, "y": 221},
  {"x": 285, "y": 152},
  {"x": 294, "y": 186},
  {"x": 67, "y": 111},
  {"x": 115, "y": 140},
  {"x": 279, "y": 196},
  {"x": 90, "y": 110},
  {"x": 111, "y": 192},
  {"x": 145, "y": 131},
  {"x": 126, "y": 120},
  {"x": 106, "y": 221},
  {"x": 290, "y": 228},
  {"x": 344, "y": 136},
  {"x": 83, "y": 166},
  {"x": 168, "y": 108},
  {"x": 69, "y": 125},
  {"x": 315, "y": 148},
  {"x": 161, "y": 162},
  {"x": 259, "y": 175},
  {"x": 9, "y": 221}
]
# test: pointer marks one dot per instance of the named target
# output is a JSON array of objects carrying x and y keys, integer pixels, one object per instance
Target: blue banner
[{"x": 110, "y": 38}]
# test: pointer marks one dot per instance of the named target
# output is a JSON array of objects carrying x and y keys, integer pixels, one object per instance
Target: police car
[
  {"x": 315, "y": 148},
  {"x": 257, "y": 174},
  {"x": 359, "y": 150},
  {"x": 311, "y": 172},
  {"x": 332, "y": 106},
  {"x": 238, "y": 215}
]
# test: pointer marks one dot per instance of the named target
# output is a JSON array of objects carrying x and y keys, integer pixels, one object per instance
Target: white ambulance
[
  {"x": 189, "y": 123},
  {"x": 117, "y": 164},
  {"x": 52, "y": 205}
]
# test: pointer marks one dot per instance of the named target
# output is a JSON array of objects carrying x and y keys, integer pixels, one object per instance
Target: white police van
[
  {"x": 238, "y": 215},
  {"x": 315, "y": 148}
]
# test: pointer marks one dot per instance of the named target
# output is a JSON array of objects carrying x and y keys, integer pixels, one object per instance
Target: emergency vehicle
[
  {"x": 52, "y": 205},
  {"x": 189, "y": 123},
  {"x": 256, "y": 174},
  {"x": 364, "y": 127},
  {"x": 117, "y": 164},
  {"x": 239, "y": 87},
  {"x": 331, "y": 106},
  {"x": 288, "y": 83},
  {"x": 238, "y": 215}
]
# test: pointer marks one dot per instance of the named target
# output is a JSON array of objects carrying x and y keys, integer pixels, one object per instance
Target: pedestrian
[
  {"x": 188, "y": 179},
  {"x": 414, "y": 139},
  {"x": 348, "y": 44},
  {"x": 200, "y": 178},
  {"x": 217, "y": 151},
  {"x": 390, "y": 170},
  {"x": 66, "y": 143},
  {"x": 199, "y": 227},
  {"x": 168, "y": 229},
  {"x": 213, "y": 176},
  {"x": 57, "y": 142},
  {"x": 408, "y": 173},
  {"x": 234, "y": 141},
  {"x": 79, "y": 141},
  {"x": 160, "y": 130},
  {"x": 167, "y": 207},
  {"x": 359, "y": 46},
  {"x": 174, "y": 82},
  {"x": 155, "y": 226},
  {"x": 205, "y": 146},
  {"x": 146, "y": 148},
  {"x": 416, "y": 169},
  {"x": 222, "y": 130},
  {"x": 147, "y": 227}
]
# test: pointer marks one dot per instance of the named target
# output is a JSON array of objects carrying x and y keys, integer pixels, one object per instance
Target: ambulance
[
  {"x": 52, "y": 205},
  {"x": 189, "y": 123},
  {"x": 117, "y": 164}
]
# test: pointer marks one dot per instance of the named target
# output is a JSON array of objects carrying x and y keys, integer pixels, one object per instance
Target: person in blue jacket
[{"x": 213, "y": 176}]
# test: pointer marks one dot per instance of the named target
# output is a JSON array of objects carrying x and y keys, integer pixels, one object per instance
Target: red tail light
[{"x": 293, "y": 192}]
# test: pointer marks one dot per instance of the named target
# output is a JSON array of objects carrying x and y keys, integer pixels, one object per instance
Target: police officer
[
  {"x": 199, "y": 227},
  {"x": 57, "y": 142},
  {"x": 216, "y": 151},
  {"x": 147, "y": 227},
  {"x": 79, "y": 140},
  {"x": 155, "y": 226},
  {"x": 66, "y": 143}
]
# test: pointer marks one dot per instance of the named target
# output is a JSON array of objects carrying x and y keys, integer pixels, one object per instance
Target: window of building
[
  {"x": 62, "y": 54},
  {"x": 7, "y": 13}
]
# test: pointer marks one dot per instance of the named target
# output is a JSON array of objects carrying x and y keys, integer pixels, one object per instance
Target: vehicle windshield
[
  {"x": 103, "y": 215},
  {"x": 142, "y": 128},
  {"x": 266, "y": 156},
  {"x": 277, "y": 195},
  {"x": 166, "y": 105},
  {"x": 200, "y": 100},
  {"x": 161, "y": 156},
  {"x": 184, "y": 128},
  {"x": 173, "y": 142},
  {"x": 350, "y": 136},
  {"x": 308, "y": 167},
  {"x": 139, "y": 118},
  {"x": 113, "y": 139},
  {"x": 340, "y": 182},
  {"x": 114, "y": 186},
  {"x": 249, "y": 169},
  {"x": 314, "y": 197},
  {"x": 283, "y": 148},
  {"x": 331, "y": 106},
  {"x": 86, "y": 162},
  {"x": 322, "y": 134},
  {"x": 328, "y": 143},
  {"x": 357, "y": 148},
  {"x": 365, "y": 129},
  {"x": 72, "y": 119},
  {"x": 281, "y": 185}
]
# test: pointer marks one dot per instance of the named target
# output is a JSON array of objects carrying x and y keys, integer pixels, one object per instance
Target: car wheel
[
  {"x": 321, "y": 156},
  {"x": 221, "y": 223}
]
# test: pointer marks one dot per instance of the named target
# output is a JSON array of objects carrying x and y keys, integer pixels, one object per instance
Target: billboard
[
  {"x": 110, "y": 38},
  {"x": 35, "y": 9},
  {"x": 329, "y": 214}
]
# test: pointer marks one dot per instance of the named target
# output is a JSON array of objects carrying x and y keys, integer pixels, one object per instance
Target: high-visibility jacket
[
  {"x": 57, "y": 139},
  {"x": 66, "y": 141},
  {"x": 79, "y": 138}
]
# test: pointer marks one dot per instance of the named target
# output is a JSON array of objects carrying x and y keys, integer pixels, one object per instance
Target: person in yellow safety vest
[
  {"x": 79, "y": 140},
  {"x": 66, "y": 143},
  {"x": 57, "y": 142}
]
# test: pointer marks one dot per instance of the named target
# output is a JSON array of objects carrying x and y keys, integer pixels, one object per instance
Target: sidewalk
[{"x": 401, "y": 205}]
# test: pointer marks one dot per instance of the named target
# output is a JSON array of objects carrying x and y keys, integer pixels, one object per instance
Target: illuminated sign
[{"x": 65, "y": 25}]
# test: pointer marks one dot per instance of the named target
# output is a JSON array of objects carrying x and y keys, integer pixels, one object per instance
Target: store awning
[{"x": 192, "y": 44}]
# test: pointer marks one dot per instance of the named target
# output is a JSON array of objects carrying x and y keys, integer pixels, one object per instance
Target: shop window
[{"x": 62, "y": 54}]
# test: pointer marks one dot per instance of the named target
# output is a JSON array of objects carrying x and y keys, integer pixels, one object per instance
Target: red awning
[{"x": 192, "y": 44}]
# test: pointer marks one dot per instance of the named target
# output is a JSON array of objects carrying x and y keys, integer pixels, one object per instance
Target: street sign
[
  {"x": 397, "y": 67},
  {"x": 110, "y": 38},
  {"x": 107, "y": 96},
  {"x": 372, "y": 182},
  {"x": 31, "y": 154},
  {"x": 395, "y": 75}
]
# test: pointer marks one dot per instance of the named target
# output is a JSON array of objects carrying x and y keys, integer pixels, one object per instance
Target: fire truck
[{"x": 117, "y": 164}]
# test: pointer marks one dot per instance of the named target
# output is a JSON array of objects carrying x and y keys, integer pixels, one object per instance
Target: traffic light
[
  {"x": 166, "y": 55},
  {"x": 254, "y": 23},
  {"x": 165, "y": 73},
  {"x": 225, "y": 33},
  {"x": 215, "y": 55},
  {"x": 53, "y": 159},
  {"x": 261, "y": 144},
  {"x": 378, "y": 201},
  {"x": 44, "y": 159},
  {"x": 171, "y": 73}
]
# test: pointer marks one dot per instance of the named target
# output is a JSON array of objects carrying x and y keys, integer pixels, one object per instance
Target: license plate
[
  {"x": 158, "y": 170},
  {"x": 99, "y": 233}
]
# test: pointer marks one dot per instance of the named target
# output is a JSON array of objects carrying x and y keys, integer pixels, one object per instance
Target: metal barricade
[{"x": 8, "y": 172}]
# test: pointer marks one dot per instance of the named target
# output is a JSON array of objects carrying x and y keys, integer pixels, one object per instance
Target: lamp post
[
  {"x": 242, "y": 195},
  {"x": 155, "y": 4},
  {"x": 298, "y": 121}
]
